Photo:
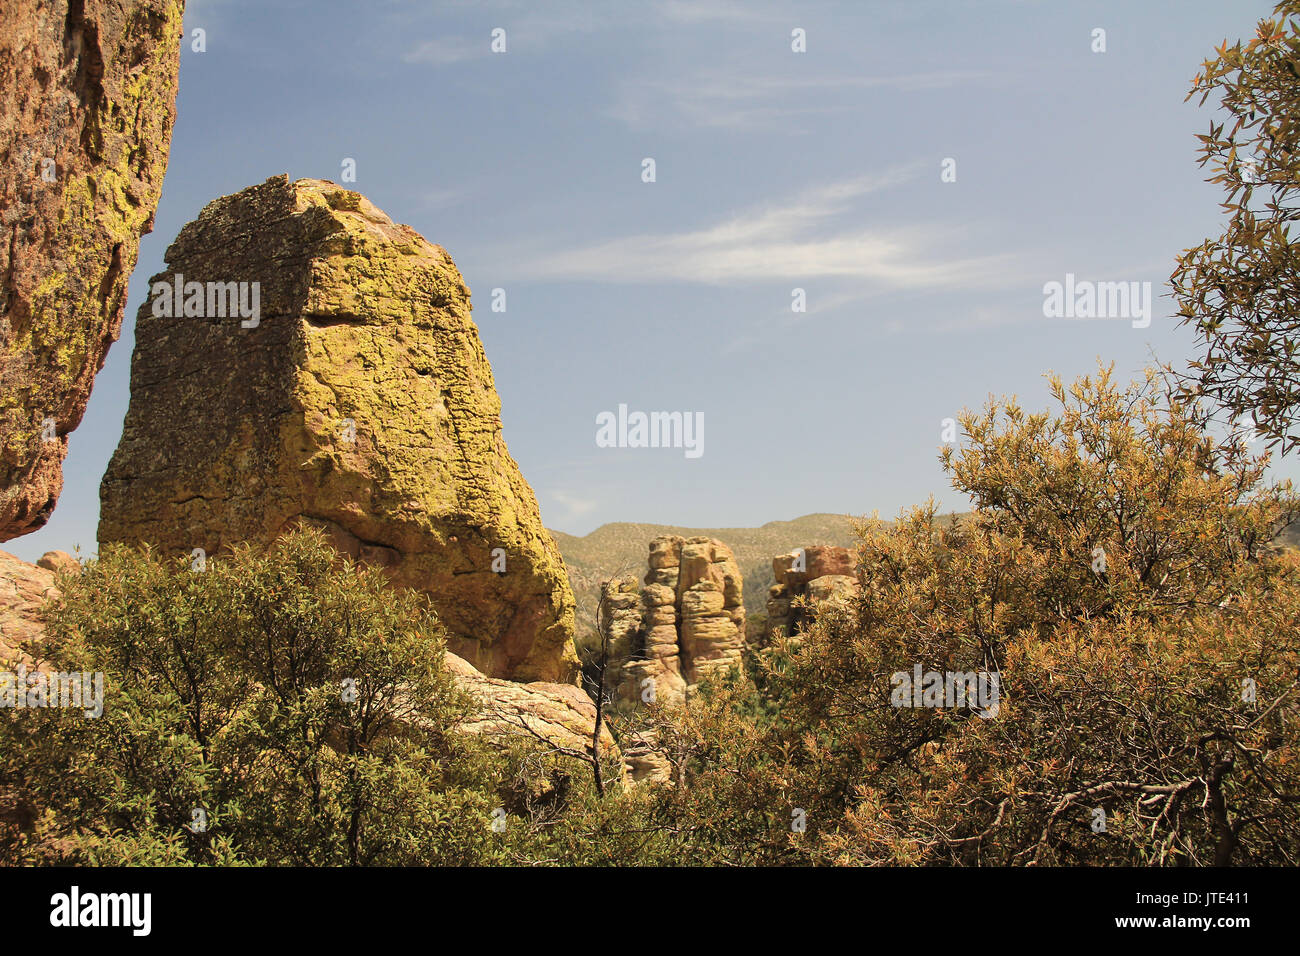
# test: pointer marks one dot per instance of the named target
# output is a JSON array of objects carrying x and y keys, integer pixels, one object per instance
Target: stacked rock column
[
  {"x": 693, "y": 621},
  {"x": 660, "y": 659},
  {"x": 620, "y": 622},
  {"x": 712, "y": 610}
]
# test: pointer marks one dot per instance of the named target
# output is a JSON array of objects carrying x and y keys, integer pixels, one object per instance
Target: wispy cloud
[
  {"x": 443, "y": 51},
  {"x": 725, "y": 96},
  {"x": 441, "y": 198},
  {"x": 708, "y": 11},
  {"x": 793, "y": 240},
  {"x": 527, "y": 31},
  {"x": 574, "y": 507},
  {"x": 747, "y": 101}
]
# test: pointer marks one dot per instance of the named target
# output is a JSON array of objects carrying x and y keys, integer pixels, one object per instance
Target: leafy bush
[
  {"x": 1124, "y": 683},
  {"x": 1116, "y": 574},
  {"x": 297, "y": 701}
]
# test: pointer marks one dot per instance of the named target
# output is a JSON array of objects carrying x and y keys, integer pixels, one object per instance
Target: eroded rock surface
[
  {"x": 559, "y": 714},
  {"x": 358, "y": 400},
  {"x": 89, "y": 92},
  {"x": 645, "y": 761}
]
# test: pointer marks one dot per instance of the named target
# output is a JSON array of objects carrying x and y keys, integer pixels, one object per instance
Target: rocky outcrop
[
  {"x": 358, "y": 400},
  {"x": 559, "y": 714},
  {"x": 687, "y": 622},
  {"x": 60, "y": 562},
  {"x": 814, "y": 574},
  {"x": 620, "y": 614},
  {"x": 89, "y": 91}
]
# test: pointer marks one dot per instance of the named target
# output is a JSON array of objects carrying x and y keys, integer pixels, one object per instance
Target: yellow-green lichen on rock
[
  {"x": 360, "y": 402},
  {"x": 89, "y": 88}
]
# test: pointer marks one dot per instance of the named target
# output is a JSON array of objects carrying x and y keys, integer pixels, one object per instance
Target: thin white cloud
[
  {"x": 211, "y": 15},
  {"x": 736, "y": 100},
  {"x": 526, "y": 31},
  {"x": 574, "y": 506},
  {"x": 443, "y": 51},
  {"x": 707, "y": 11},
  {"x": 789, "y": 241},
  {"x": 441, "y": 198}
]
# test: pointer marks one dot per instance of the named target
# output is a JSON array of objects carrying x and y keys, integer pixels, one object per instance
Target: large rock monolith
[{"x": 304, "y": 359}]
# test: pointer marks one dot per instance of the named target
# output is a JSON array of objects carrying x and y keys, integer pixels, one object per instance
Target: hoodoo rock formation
[
  {"x": 346, "y": 389},
  {"x": 687, "y": 622},
  {"x": 89, "y": 91},
  {"x": 816, "y": 573}
]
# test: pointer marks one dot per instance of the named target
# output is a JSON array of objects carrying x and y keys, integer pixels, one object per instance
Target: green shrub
[{"x": 279, "y": 708}]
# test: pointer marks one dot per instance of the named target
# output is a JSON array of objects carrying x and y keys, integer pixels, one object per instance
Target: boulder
[
  {"x": 829, "y": 587},
  {"x": 658, "y": 595},
  {"x": 664, "y": 615},
  {"x": 665, "y": 552},
  {"x": 559, "y": 714},
  {"x": 89, "y": 88},
  {"x": 817, "y": 560},
  {"x": 357, "y": 400},
  {"x": 645, "y": 761},
  {"x": 24, "y": 588},
  {"x": 60, "y": 562}
]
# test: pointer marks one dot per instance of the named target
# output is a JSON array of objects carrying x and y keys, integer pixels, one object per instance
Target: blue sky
[{"x": 775, "y": 170}]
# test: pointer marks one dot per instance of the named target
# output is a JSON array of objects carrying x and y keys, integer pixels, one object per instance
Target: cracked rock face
[
  {"x": 89, "y": 92},
  {"x": 358, "y": 400}
]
